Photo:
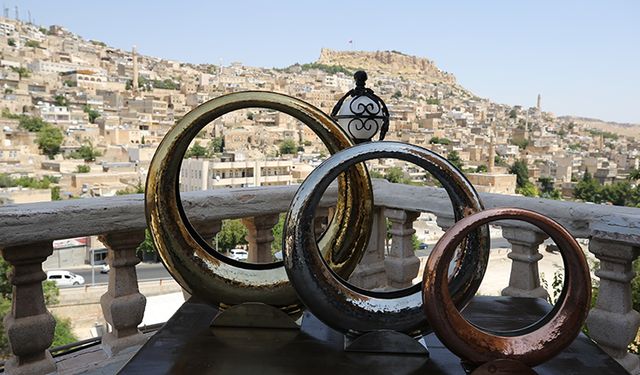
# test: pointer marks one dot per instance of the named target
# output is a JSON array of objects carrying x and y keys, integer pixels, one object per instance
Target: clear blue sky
[{"x": 582, "y": 56}]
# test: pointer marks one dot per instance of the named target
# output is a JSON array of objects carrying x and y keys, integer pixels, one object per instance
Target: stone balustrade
[{"x": 28, "y": 232}]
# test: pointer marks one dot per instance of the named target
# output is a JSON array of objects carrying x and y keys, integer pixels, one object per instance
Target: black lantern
[{"x": 361, "y": 113}]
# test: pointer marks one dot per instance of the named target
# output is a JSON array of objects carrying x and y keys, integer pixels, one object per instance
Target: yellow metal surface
[{"x": 223, "y": 281}]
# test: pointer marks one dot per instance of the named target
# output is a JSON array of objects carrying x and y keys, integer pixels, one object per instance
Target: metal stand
[
  {"x": 499, "y": 366},
  {"x": 254, "y": 315},
  {"x": 386, "y": 341}
]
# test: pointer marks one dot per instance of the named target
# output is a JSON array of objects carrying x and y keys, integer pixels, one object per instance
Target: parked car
[
  {"x": 423, "y": 246},
  {"x": 105, "y": 268},
  {"x": 238, "y": 254},
  {"x": 65, "y": 278}
]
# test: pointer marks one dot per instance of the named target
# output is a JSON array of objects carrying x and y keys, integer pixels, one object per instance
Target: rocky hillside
[{"x": 388, "y": 62}]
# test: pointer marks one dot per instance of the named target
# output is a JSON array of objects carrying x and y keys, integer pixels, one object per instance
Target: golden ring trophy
[{"x": 313, "y": 274}]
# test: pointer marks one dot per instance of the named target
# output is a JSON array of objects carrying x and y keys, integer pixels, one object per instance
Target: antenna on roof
[
  {"x": 17, "y": 14},
  {"x": 29, "y": 13}
]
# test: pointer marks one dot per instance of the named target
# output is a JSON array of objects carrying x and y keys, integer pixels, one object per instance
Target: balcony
[{"x": 613, "y": 235}]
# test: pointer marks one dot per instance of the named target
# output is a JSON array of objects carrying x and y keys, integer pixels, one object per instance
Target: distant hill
[
  {"x": 388, "y": 62},
  {"x": 626, "y": 129}
]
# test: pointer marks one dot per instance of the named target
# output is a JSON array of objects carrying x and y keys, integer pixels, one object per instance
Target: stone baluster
[
  {"x": 260, "y": 237},
  {"x": 208, "y": 231},
  {"x": 524, "y": 280},
  {"x": 370, "y": 272},
  {"x": 320, "y": 220},
  {"x": 401, "y": 265},
  {"x": 29, "y": 325},
  {"x": 122, "y": 305},
  {"x": 613, "y": 323},
  {"x": 445, "y": 222}
]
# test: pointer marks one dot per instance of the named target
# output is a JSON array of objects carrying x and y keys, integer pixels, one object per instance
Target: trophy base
[
  {"x": 386, "y": 341},
  {"x": 499, "y": 366},
  {"x": 253, "y": 315}
]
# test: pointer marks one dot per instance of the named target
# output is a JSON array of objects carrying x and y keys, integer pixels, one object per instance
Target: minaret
[
  {"x": 539, "y": 104},
  {"x": 134, "y": 81},
  {"x": 492, "y": 149}
]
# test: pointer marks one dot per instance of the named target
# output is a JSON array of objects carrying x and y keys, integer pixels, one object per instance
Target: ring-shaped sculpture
[
  {"x": 355, "y": 311},
  {"x": 204, "y": 272},
  {"x": 530, "y": 345}
]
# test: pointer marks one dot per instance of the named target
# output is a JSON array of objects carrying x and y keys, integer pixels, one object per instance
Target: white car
[
  {"x": 105, "y": 268},
  {"x": 238, "y": 254},
  {"x": 64, "y": 278}
]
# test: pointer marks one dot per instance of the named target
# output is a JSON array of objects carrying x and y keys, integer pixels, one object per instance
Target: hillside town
[{"x": 81, "y": 119}]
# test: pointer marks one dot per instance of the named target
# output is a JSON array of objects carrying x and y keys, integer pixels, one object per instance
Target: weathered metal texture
[
  {"x": 530, "y": 345},
  {"x": 208, "y": 274},
  {"x": 350, "y": 309}
]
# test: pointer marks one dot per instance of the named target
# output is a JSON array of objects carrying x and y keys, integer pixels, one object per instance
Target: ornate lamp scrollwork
[{"x": 361, "y": 112}]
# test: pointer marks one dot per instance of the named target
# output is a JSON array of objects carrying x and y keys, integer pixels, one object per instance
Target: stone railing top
[{"x": 35, "y": 222}]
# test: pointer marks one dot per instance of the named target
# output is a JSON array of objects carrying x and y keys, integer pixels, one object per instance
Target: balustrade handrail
[{"x": 36, "y": 222}]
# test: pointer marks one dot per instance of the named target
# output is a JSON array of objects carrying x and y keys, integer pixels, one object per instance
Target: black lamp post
[{"x": 361, "y": 113}]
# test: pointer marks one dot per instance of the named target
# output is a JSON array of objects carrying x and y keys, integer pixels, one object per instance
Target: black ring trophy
[{"x": 311, "y": 280}]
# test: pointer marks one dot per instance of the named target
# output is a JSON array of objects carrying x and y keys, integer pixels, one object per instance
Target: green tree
[
  {"x": 331, "y": 69},
  {"x": 588, "y": 189},
  {"x": 196, "y": 151},
  {"x": 528, "y": 190},
  {"x": 523, "y": 185},
  {"x": 454, "y": 158},
  {"x": 394, "y": 175},
  {"x": 146, "y": 246},
  {"x": 433, "y": 101},
  {"x": 513, "y": 113},
  {"x": 520, "y": 169},
  {"x": 138, "y": 188},
  {"x": 55, "y": 193},
  {"x": 32, "y": 43},
  {"x": 499, "y": 161},
  {"x": 60, "y": 101},
  {"x": 276, "y": 245},
  {"x": 481, "y": 168},
  {"x": 11, "y": 42},
  {"x": 375, "y": 174},
  {"x": 83, "y": 168},
  {"x": 288, "y": 146},
  {"x": 49, "y": 140},
  {"x": 634, "y": 175},
  {"x": 522, "y": 145},
  {"x": 22, "y": 72},
  {"x": 86, "y": 152},
  {"x": 232, "y": 234},
  {"x": 92, "y": 113},
  {"x": 31, "y": 124},
  {"x": 396, "y": 95},
  {"x": 547, "y": 188},
  {"x": 216, "y": 145},
  {"x": 442, "y": 141},
  {"x": 6, "y": 181}
]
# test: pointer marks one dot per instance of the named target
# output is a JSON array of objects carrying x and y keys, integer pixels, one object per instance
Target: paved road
[
  {"x": 496, "y": 243},
  {"x": 145, "y": 272},
  {"x": 148, "y": 271}
]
